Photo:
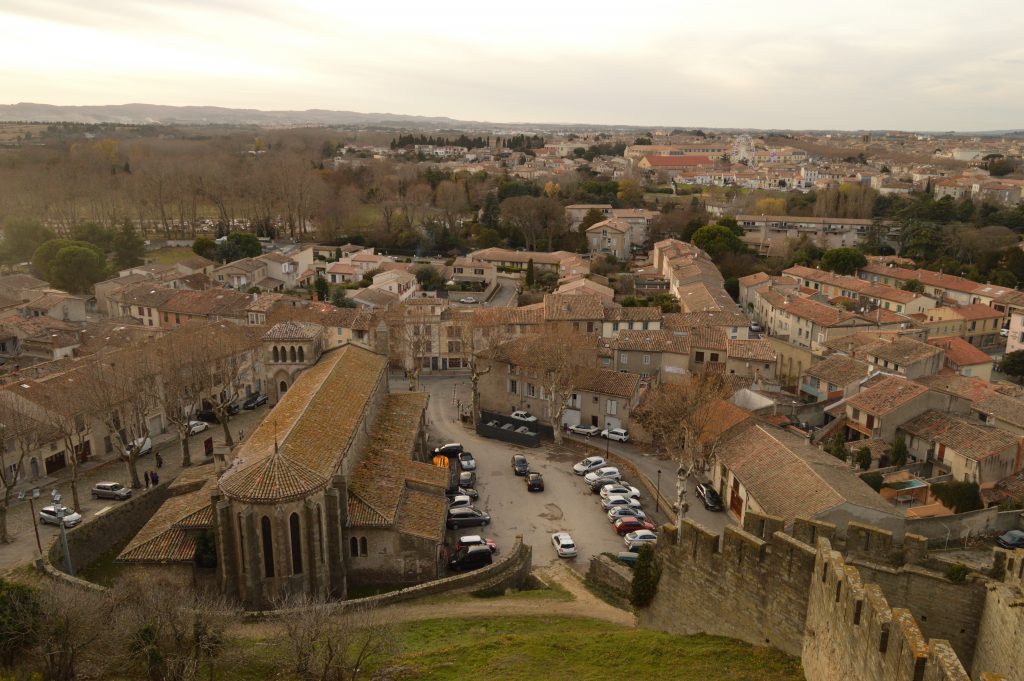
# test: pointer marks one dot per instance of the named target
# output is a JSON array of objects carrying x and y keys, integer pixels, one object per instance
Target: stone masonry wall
[
  {"x": 751, "y": 589},
  {"x": 854, "y": 635},
  {"x": 1000, "y": 646},
  {"x": 612, "y": 576}
]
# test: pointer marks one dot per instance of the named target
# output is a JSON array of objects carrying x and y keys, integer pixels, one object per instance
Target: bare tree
[
  {"x": 685, "y": 420},
  {"x": 19, "y": 437},
  {"x": 560, "y": 361},
  {"x": 61, "y": 399},
  {"x": 228, "y": 352},
  {"x": 328, "y": 643},
  {"x": 484, "y": 331},
  {"x": 184, "y": 379},
  {"x": 74, "y": 638},
  {"x": 123, "y": 390}
]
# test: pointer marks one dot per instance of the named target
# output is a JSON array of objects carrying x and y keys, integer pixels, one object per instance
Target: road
[
  {"x": 505, "y": 296},
  {"x": 20, "y": 519},
  {"x": 566, "y": 504}
]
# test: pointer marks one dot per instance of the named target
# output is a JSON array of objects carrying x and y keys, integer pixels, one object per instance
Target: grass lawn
[
  {"x": 168, "y": 256},
  {"x": 537, "y": 648}
]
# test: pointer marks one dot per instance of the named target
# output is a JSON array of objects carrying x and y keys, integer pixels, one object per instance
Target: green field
[
  {"x": 532, "y": 648},
  {"x": 168, "y": 256}
]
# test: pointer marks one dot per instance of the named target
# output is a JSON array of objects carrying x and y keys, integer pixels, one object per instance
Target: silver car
[
  {"x": 48, "y": 516},
  {"x": 110, "y": 490}
]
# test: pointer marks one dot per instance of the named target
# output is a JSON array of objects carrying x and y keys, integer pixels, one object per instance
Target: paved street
[
  {"x": 20, "y": 519},
  {"x": 566, "y": 502}
]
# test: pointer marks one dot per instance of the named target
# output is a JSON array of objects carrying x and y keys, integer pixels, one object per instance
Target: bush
[
  {"x": 899, "y": 452},
  {"x": 873, "y": 480},
  {"x": 959, "y": 496},
  {"x": 645, "y": 578},
  {"x": 864, "y": 458},
  {"x": 957, "y": 573},
  {"x": 19, "y": 613}
]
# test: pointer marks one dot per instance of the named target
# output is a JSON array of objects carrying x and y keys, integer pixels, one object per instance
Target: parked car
[
  {"x": 467, "y": 491},
  {"x": 620, "y": 434},
  {"x": 197, "y": 427},
  {"x": 601, "y": 483},
  {"x": 470, "y": 558},
  {"x": 110, "y": 490},
  {"x": 467, "y": 479},
  {"x": 585, "y": 430},
  {"x": 466, "y": 461},
  {"x": 634, "y": 540},
  {"x": 625, "y": 512},
  {"x": 627, "y": 557},
  {"x": 459, "y": 501},
  {"x": 519, "y": 464},
  {"x": 612, "y": 502},
  {"x": 564, "y": 545},
  {"x": 619, "y": 489},
  {"x": 627, "y": 524},
  {"x": 141, "y": 446},
  {"x": 1014, "y": 539},
  {"x": 450, "y": 449},
  {"x": 524, "y": 416},
  {"x": 468, "y": 300},
  {"x": 603, "y": 472},
  {"x": 534, "y": 482},
  {"x": 1004, "y": 332},
  {"x": 476, "y": 540},
  {"x": 207, "y": 415},
  {"x": 466, "y": 517},
  {"x": 48, "y": 515},
  {"x": 709, "y": 497},
  {"x": 755, "y": 327},
  {"x": 254, "y": 400},
  {"x": 588, "y": 464}
]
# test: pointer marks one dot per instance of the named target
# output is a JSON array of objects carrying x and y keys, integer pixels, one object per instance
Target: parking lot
[{"x": 566, "y": 504}]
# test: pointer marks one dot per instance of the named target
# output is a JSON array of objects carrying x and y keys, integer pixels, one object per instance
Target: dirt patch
[{"x": 552, "y": 512}]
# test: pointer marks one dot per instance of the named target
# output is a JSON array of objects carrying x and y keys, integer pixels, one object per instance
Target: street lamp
[
  {"x": 657, "y": 497},
  {"x": 61, "y": 511}
]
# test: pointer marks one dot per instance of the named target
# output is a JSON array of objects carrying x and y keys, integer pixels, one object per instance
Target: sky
[{"x": 898, "y": 64}]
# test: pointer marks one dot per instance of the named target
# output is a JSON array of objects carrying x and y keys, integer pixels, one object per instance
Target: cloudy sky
[{"x": 937, "y": 65}]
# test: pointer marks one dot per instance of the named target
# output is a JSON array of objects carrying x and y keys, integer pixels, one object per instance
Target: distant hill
[{"x": 139, "y": 114}]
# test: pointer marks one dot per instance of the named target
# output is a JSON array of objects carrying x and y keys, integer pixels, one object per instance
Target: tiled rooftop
[
  {"x": 968, "y": 438},
  {"x": 887, "y": 395}
]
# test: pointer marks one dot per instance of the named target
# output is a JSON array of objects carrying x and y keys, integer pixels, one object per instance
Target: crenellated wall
[{"x": 1000, "y": 647}]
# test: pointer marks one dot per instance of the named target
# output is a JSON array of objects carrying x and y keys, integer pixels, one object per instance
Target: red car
[{"x": 632, "y": 524}]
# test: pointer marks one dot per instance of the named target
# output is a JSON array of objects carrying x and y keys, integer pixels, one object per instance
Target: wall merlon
[
  {"x": 761, "y": 525},
  {"x": 809, "y": 530},
  {"x": 943, "y": 664},
  {"x": 907, "y": 645},
  {"x": 697, "y": 542},
  {"x": 740, "y": 549},
  {"x": 869, "y": 541}
]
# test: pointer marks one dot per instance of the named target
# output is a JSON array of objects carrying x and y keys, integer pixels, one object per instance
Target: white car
[
  {"x": 603, "y": 472},
  {"x": 460, "y": 501},
  {"x": 620, "y": 490},
  {"x": 624, "y": 512},
  {"x": 619, "y": 501},
  {"x": 564, "y": 545},
  {"x": 588, "y": 464},
  {"x": 468, "y": 300},
  {"x": 755, "y": 327},
  {"x": 620, "y": 434},
  {"x": 634, "y": 540},
  {"x": 142, "y": 445},
  {"x": 48, "y": 515},
  {"x": 197, "y": 427},
  {"x": 584, "y": 430},
  {"x": 524, "y": 416}
]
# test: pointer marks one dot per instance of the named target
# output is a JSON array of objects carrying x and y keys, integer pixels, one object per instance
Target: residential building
[
  {"x": 834, "y": 377},
  {"x": 802, "y": 321},
  {"x": 245, "y": 274},
  {"x": 770, "y": 234},
  {"x": 968, "y": 450},
  {"x": 963, "y": 358},
  {"x": 575, "y": 213},
  {"x": 978, "y": 324},
  {"x": 661, "y": 355},
  {"x": 399, "y": 282},
  {"x": 466, "y": 271},
  {"x": 887, "y": 402},
  {"x": 563, "y": 263},
  {"x": 280, "y": 268},
  {"x": 210, "y": 305},
  {"x": 611, "y": 237}
]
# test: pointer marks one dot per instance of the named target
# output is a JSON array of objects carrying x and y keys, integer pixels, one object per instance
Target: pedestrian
[
  {"x": 241, "y": 434},
  {"x": 146, "y": 476},
  {"x": 159, "y": 460},
  {"x": 155, "y": 477}
]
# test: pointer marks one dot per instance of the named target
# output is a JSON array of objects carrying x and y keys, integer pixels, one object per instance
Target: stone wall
[
  {"x": 853, "y": 634},
  {"x": 92, "y": 539},
  {"x": 1001, "y": 630},
  {"x": 751, "y": 588},
  {"x": 986, "y": 521},
  {"x": 612, "y": 577}
]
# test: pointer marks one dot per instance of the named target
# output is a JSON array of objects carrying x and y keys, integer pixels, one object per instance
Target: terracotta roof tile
[
  {"x": 422, "y": 515},
  {"x": 959, "y": 352},
  {"x": 968, "y": 438},
  {"x": 293, "y": 331},
  {"x": 758, "y": 350},
  {"x": 888, "y": 394},
  {"x": 839, "y": 370},
  {"x": 606, "y": 382}
]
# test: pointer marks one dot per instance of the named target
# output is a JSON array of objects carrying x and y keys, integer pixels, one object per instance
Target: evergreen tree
[
  {"x": 531, "y": 277},
  {"x": 645, "y": 578}
]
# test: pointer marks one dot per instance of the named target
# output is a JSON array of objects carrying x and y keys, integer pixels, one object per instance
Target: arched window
[
  {"x": 268, "y": 547},
  {"x": 276, "y": 356},
  {"x": 320, "y": 530},
  {"x": 241, "y": 543},
  {"x": 291, "y": 354},
  {"x": 362, "y": 546},
  {"x": 293, "y": 526},
  {"x": 353, "y": 547},
  {"x": 302, "y": 354},
  {"x": 283, "y": 387}
]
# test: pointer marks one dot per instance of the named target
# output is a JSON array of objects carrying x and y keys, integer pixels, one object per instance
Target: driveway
[{"x": 566, "y": 504}]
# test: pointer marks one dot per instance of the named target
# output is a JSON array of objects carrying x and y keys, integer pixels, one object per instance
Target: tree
[
  {"x": 128, "y": 247},
  {"x": 228, "y": 352},
  {"x": 718, "y": 241},
  {"x": 321, "y": 288},
  {"x": 239, "y": 245},
  {"x": 864, "y": 458},
  {"x": 630, "y": 193},
  {"x": 645, "y": 578},
  {"x": 21, "y": 429},
  {"x": 1012, "y": 364},
  {"x": 76, "y": 269},
  {"x": 99, "y": 236},
  {"x": 899, "y": 452},
  {"x": 684, "y": 419},
  {"x": 490, "y": 216},
  {"x": 19, "y": 621},
  {"x": 592, "y": 217},
  {"x": 183, "y": 378},
  {"x": 531, "y": 275},
  {"x": 959, "y": 496},
  {"x": 74, "y": 636},
  {"x": 770, "y": 206},
  {"x": 21, "y": 239},
  {"x": 60, "y": 402},
  {"x": 913, "y": 285},
  {"x": 843, "y": 260},
  {"x": 339, "y": 299},
  {"x": 44, "y": 256},
  {"x": 429, "y": 278}
]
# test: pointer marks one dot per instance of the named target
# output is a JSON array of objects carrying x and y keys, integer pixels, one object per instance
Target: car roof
[
  {"x": 465, "y": 510},
  {"x": 518, "y": 456},
  {"x": 470, "y": 538}
]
